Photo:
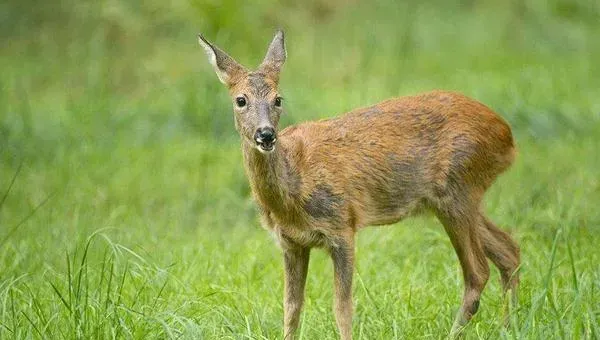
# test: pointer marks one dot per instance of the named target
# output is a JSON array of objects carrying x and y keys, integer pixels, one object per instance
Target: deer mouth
[
  {"x": 265, "y": 139},
  {"x": 265, "y": 146}
]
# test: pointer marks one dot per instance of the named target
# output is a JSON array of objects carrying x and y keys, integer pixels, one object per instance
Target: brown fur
[{"x": 438, "y": 151}]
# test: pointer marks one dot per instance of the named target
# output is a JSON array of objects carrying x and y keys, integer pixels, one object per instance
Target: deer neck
[{"x": 273, "y": 178}]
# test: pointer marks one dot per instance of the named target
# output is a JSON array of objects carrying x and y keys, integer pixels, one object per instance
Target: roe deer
[{"x": 317, "y": 183}]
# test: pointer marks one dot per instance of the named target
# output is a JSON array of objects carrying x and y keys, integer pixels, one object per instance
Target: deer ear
[
  {"x": 275, "y": 57},
  {"x": 228, "y": 70}
]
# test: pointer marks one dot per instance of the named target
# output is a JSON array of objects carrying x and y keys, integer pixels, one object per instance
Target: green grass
[{"x": 125, "y": 212}]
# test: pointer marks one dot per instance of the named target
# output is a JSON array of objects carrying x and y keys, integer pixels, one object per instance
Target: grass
[{"x": 125, "y": 212}]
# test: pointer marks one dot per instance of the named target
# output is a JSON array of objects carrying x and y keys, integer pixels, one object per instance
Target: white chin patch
[{"x": 264, "y": 150}]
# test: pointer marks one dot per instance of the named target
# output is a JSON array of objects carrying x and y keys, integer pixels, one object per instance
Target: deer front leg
[
  {"x": 342, "y": 254},
  {"x": 296, "y": 266}
]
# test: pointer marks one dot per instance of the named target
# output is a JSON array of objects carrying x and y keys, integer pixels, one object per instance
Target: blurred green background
[{"x": 125, "y": 212}]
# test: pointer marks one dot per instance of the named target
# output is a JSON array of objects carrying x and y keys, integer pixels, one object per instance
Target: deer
[{"x": 318, "y": 183}]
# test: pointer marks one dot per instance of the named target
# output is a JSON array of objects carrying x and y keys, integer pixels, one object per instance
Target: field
[{"x": 125, "y": 211}]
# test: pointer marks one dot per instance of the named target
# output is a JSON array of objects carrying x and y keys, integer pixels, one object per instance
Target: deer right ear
[{"x": 228, "y": 70}]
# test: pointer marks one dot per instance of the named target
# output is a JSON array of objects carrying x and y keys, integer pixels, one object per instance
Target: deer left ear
[
  {"x": 228, "y": 70},
  {"x": 275, "y": 57}
]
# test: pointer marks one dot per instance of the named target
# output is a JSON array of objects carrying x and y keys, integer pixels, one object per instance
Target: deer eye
[
  {"x": 278, "y": 101},
  {"x": 240, "y": 101}
]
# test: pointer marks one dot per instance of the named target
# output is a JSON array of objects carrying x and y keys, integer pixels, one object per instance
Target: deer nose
[{"x": 265, "y": 135}]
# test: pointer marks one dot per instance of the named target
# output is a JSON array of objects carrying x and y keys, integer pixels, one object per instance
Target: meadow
[{"x": 124, "y": 208}]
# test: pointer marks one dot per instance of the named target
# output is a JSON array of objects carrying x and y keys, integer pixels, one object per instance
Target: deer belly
[{"x": 286, "y": 236}]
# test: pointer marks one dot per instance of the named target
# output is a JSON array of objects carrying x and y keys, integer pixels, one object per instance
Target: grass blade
[
  {"x": 573, "y": 270},
  {"x": 32, "y": 324},
  {"x": 12, "y": 182},
  {"x": 64, "y": 301},
  {"x": 25, "y": 219}
]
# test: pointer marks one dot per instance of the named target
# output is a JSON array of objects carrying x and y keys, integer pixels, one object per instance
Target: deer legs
[
  {"x": 296, "y": 267},
  {"x": 503, "y": 251},
  {"x": 474, "y": 238},
  {"x": 464, "y": 235},
  {"x": 342, "y": 254}
]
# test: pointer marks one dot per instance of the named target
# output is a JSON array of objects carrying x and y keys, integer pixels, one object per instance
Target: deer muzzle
[{"x": 265, "y": 138}]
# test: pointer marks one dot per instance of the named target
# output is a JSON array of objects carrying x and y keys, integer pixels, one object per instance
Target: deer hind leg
[
  {"x": 461, "y": 225},
  {"x": 504, "y": 252}
]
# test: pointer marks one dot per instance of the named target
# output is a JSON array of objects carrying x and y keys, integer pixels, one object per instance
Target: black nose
[{"x": 265, "y": 135}]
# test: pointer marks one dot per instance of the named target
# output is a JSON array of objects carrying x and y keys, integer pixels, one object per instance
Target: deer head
[{"x": 257, "y": 104}]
